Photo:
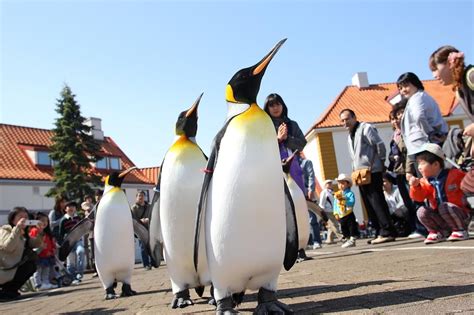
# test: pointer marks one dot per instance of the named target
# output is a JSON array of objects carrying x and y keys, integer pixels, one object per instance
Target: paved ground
[{"x": 404, "y": 277}]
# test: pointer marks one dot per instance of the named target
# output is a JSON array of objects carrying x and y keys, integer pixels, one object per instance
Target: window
[
  {"x": 114, "y": 163},
  {"x": 42, "y": 158},
  {"x": 102, "y": 163}
]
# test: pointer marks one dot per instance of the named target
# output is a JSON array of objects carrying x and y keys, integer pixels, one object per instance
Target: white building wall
[
  {"x": 311, "y": 153},
  {"x": 31, "y": 195}
]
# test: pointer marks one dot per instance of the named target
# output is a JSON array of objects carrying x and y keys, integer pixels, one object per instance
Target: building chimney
[
  {"x": 96, "y": 128},
  {"x": 361, "y": 80}
]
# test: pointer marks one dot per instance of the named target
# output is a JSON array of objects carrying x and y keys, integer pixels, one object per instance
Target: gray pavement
[{"x": 403, "y": 277}]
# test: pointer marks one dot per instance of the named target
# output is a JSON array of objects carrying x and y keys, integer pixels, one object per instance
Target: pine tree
[{"x": 72, "y": 151}]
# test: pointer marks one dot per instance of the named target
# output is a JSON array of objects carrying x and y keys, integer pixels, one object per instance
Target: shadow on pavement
[
  {"x": 153, "y": 291},
  {"x": 99, "y": 310},
  {"x": 312, "y": 290},
  {"x": 379, "y": 299}
]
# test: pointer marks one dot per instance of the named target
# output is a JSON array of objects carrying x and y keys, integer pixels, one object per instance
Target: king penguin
[
  {"x": 179, "y": 187},
  {"x": 301, "y": 207},
  {"x": 114, "y": 227},
  {"x": 249, "y": 217}
]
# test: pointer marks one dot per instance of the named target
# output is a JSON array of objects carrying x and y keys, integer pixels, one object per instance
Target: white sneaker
[
  {"x": 44, "y": 286},
  {"x": 415, "y": 235},
  {"x": 349, "y": 243},
  {"x": 316, "y": 246},
  {"x": 76, "y": 282}
]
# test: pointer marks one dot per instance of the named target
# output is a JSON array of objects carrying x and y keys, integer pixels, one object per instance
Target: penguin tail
[{"x": 199, "y": 290}]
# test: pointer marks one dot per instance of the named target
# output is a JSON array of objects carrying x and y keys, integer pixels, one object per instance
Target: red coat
[
  {"x": 452, "y": 188},
  {"x": 49, "y": 246}
]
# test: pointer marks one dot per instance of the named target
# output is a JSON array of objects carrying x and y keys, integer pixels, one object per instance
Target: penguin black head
[
  {"x": 115, "y": 179},
  {"x": 286, "y": 163},
  {"x": 187, "y": 120},
  {"x": 245, "y": 84}
]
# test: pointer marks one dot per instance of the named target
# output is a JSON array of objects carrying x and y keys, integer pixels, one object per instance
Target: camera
[{"x": 32, "y": 222}]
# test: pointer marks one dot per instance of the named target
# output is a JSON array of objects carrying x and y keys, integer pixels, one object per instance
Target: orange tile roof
[
  {"x": 151, "y": 173},
  {"x": 370, "y": 103},
  {"x": 15, "y": 164}
]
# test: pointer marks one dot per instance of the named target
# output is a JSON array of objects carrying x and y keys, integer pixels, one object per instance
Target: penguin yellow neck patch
[
  {"x": 181, "y": 143},
  {"x": 256, "y": 121}
]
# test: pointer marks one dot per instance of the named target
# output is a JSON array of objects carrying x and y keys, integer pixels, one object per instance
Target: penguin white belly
[
  {"x": 181, "y": 182},
  {"x": 113, "y": 239},
  {"x": 245, "y": 215},
  {"x": 301, "y": 210}
]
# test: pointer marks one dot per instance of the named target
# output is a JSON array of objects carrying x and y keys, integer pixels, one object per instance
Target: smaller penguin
[
  {"x": 114, "y": 226},
  {"x": 174, "y": 211},
  {"x": 301, "y": 207}
]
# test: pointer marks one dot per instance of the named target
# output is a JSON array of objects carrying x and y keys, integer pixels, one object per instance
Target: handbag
[{"x": 361, "y": 176}]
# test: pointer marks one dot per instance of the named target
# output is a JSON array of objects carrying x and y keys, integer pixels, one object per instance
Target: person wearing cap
[
  {"x": 367, "y": 151},
  {"x": 75, "y": 259},
  {"x": 447, "y": 211},
  {"x": 343, "y": 206},
  {"x": 326, "y": 201}
]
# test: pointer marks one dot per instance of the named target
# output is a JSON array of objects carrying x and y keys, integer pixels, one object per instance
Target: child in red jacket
[
  {"x": 45, "y": 264},
  {"x": 447, "y": 211}
]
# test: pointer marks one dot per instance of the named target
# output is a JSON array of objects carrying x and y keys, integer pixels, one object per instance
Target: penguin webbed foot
[
  {"x": 226, "y": 306},
  {"x": 182, "y": 299},
  {"x": 268, "y": 304},
  {"x": 127, "y": 290},
  {"x": 110, "y": 293}
]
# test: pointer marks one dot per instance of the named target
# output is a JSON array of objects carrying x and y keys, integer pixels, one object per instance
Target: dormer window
[
  {"x": 43, "y": 158},
  {"x": 108, "y": 162}
]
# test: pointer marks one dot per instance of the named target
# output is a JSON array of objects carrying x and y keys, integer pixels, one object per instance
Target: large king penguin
[
  {"x": 301, "y": 207},
  {"x": 250, "y": 223},
  {"x": 179, "y": 186},
  {"x": 113, "y": 237}
]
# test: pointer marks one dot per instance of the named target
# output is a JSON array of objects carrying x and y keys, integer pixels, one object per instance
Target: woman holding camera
[{"x": 17, "y": 259}]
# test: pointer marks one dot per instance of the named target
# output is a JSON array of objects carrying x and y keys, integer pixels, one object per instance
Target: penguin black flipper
[
  {"x": 211, "y": 163},
  {"x": 155, "y": 246},
  {"x": 141, "y": 231},
  {"x": 77, "y": 232},
  {"x": 291, "y": 251}
]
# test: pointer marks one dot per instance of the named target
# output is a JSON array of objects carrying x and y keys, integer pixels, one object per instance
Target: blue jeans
[
  {"x": 75, "y": 259},
  {"x": 145, "y": 257},
  {"x": 314, "y": 231}
]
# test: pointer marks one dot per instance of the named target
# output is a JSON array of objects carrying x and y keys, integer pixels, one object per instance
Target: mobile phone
[{"x": 32, "y": 222}]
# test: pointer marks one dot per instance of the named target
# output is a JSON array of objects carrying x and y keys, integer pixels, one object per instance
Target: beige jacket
[{"x": 12, "y": 244}]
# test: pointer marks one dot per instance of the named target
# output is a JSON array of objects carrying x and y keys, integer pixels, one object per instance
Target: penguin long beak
[
  {"x": 124, "y": 173},
  {"x": 195, "y": 106},
  {"x": 262, "y": 65}
]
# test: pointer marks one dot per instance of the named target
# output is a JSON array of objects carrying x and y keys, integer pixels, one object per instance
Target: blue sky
[{"x": 138, "y": 64}]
